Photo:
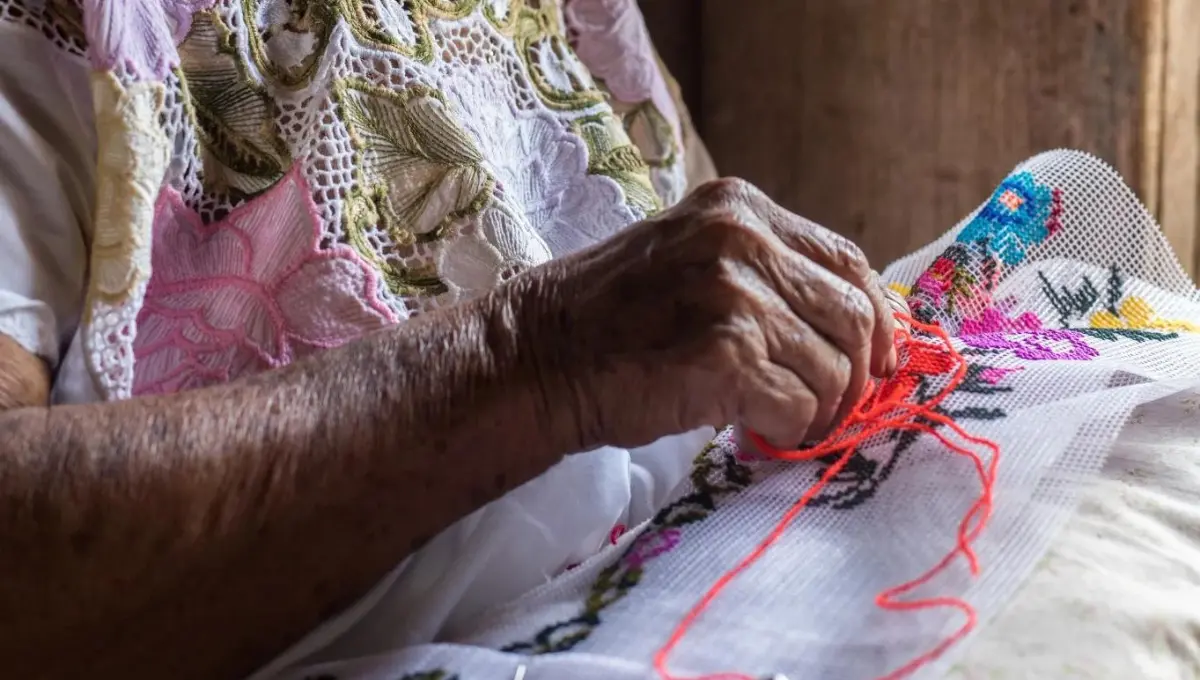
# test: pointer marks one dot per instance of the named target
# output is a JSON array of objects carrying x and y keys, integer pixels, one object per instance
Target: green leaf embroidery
[
  {"x": 304, "y": 30},
  {"x": 418, "y": 173},
  {"x": 235, "y": 118},
  {"x": 408, "y": 141}
]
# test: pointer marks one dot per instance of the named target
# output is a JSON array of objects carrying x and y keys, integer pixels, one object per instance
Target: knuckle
[
  {"x": 800, "y": 412},
  {"x": 832, "y": 379},
  {"x": 858, "y": 314},
  {"x": 723, "y": 230},
  {"x": 727, "y": 190},
  {"x": 848, "y": 255},
  {"x": 840, "y": 375}
]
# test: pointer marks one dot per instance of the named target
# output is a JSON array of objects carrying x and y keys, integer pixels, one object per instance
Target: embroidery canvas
[{"x": 1037, "y": 330}]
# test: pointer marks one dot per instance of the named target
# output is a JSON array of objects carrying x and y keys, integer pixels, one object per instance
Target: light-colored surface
[
  {"x": 1171, "y": 123},
  {"x": 46, "y": 161},
  {"x": 1118, "y": 595}
]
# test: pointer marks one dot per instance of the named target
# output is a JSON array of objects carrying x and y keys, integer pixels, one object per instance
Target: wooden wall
[{"x": 889, "y": 120}]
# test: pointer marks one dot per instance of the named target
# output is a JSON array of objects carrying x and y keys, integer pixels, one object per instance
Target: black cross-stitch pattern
[
  {"x": 865, "y": 472},
  {"x": 716, "y": 475},
  {"x": 1076, "y": 304}
]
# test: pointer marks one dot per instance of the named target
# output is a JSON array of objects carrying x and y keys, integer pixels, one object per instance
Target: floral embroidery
[
  {"x": 944, "y": 281},
  {"x": 958, "y": 283},
  {"x": 132, "y": 158},
  {"x": 234, "y": 118},
  {"x": 1025, "y": 337},
  {"x": 418, "y": 173},
  {"x": 611, "y": 39},
  {"x": 716, "y": 475},
  {"x": 291, "y": 36},
  {"x": 1021, "y": 213},
  {"x": 346, "y": 93},
  {"x": 652, "y": 544},
  {"x": 992, "y": 320},
  {"x": 130, "y": 37},
  {"x": 1134, "y": 313},
  {"x": 1118, "y": 318},
  {"x": 916, "y": 382},
  {"x": 1036, "y": 345},
  {"x": 247, "y": 293},
  {"x": 1072, "y": 304},
  {"x": 541, "y": 169},
  {"x": 993, "y": 375}
]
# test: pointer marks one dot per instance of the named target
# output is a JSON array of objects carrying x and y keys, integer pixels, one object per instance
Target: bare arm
[{"x": 197, "y": 535}]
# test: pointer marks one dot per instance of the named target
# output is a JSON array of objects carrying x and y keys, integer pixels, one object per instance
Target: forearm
[{"x": 197, "y": 535}]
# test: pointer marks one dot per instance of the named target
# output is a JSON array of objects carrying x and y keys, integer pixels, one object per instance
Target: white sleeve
[{"x": 47, "y": 161}]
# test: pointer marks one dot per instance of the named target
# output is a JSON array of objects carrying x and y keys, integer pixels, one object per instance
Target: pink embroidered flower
[
  {"x": 1049, "y": 344},
  {"x": 612, "y": 41},
  {"x": 937, "y": 280},
  {"x": 133, "y": 36},
  {"x": 249, "y": 293},
  {"x": 993, "y": 375},
  {"x": 651, "y": 545},
  {"x": 992, "y": 320}
]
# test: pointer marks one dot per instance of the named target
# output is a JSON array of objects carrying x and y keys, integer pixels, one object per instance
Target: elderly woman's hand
[{"x": 725, "y": 309}]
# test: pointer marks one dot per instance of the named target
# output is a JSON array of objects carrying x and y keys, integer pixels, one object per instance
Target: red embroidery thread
[{"x": 882, "y": 408}]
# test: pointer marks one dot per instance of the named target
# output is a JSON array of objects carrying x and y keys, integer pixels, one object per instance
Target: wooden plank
[
  {"x": 890, "y": 121},
  {"x": 1178, "y": 204}
]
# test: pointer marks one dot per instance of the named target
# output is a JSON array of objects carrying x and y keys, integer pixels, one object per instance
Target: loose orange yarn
[{"x": 880, "y": 409}]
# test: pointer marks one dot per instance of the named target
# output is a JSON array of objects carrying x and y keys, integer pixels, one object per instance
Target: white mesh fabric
[{"x": 1052, "y": 400}]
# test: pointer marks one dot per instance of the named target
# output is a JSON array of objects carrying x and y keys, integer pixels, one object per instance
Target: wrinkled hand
[{"x": 726, "y": 309}]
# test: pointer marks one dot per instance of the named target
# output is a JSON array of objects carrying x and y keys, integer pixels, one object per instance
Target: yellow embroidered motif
[
  {"x": 132, "y": 157},
  {"x": 901, "y": 289},
  {"x": 1134, "y": 313}
]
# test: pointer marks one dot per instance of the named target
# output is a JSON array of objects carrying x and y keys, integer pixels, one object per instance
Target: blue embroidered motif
[{"x": 1021, "y": 213}]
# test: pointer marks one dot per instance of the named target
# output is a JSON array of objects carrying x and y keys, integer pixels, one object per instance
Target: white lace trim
[{"x": 545, "y": 202}]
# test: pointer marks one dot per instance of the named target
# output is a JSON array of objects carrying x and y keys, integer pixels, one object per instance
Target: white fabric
[
  {"x": 809, "y": 609},
  {"x": 1118, "y": 595},
  {"x": 507, "y": 549},
  {"x": 46, "y": 166}
]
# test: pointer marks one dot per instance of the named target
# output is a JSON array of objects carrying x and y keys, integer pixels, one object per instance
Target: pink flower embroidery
[
  {"x": 133, "y": 36},
  {"x": 612, "y": 41},
  {"x": 651, "y": 545},
  {"x": 1050, "y": 344},
  {"x": 937, "y": 280},
  {"x": 993, "y": 375},
  {"x": 1025, "y": 337},
  {"x": 992, "y": 320},
  {"x": 251, "y": 292}
]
